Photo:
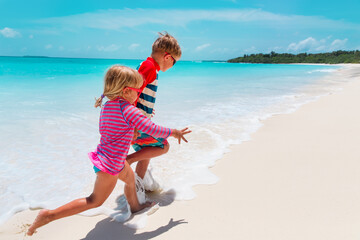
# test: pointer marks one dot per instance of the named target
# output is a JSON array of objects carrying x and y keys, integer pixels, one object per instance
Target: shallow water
[{"x": 48, "y": 123}]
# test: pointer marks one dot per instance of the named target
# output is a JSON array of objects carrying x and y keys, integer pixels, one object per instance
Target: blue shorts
[{"x": 96, "y": 169}]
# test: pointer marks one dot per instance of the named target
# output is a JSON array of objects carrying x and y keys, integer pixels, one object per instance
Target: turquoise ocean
[{"x": 48, "y": 122}]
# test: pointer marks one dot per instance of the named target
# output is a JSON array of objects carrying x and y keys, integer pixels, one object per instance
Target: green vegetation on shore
[{"x": 329, "y": 58}]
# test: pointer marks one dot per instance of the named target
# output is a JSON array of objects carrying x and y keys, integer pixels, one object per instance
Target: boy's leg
[
  {"x": 128, "y": 177},
  {"x": 143, "y": 157},
  {"x": 104, "y": 185},
  {"x": 141, "y": 167}
]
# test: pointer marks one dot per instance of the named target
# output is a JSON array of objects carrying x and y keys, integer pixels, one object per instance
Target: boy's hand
[{"x": 179, "y": 134}]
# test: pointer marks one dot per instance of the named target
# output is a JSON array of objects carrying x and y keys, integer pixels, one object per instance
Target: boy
[{"x": 165, "y": 53}]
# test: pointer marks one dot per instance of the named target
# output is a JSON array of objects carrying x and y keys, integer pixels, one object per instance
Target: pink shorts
[{"x": 97, "y": 163}]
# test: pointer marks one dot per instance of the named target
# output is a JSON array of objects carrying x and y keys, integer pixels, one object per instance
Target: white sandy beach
[{"x": 297, "y": 178}]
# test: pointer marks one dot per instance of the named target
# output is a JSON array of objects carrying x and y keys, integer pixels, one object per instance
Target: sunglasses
[
  {"x": 138, "y": 90},
  {"x": 135, "y": 89},
  {"x": 174, "y": 61}
]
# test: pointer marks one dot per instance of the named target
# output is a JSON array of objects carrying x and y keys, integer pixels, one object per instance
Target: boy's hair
[
  {"x": 116, "y": 79},
  {"x": 166, "y": 43}
]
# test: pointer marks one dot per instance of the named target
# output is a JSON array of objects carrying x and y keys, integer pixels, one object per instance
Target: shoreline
[{"x": 259, "y": 192}]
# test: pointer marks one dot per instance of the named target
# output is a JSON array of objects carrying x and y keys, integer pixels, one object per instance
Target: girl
[{"x": 118, "y": 118}]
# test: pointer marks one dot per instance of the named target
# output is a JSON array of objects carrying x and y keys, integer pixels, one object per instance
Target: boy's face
[{"x": 169, "y": 62}]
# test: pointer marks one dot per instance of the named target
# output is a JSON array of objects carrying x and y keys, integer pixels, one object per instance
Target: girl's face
[{"x": 131, "y": 94}]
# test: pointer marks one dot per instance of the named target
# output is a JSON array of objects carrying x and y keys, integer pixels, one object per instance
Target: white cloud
[
  {"x": 48, "y": 46},
  {"x": 275, "y": 49},
  {"x": 312, "y": 45},
  {"x": 134, "y": 46},
  {"x": 251, "y": 50},
  {"x": 9, "y": 33},
  {"x": 61, "y": 48},
  {"x": 202, "y": 47},
  {"x": 31, "y": 36},
  {"x": 339, "y": 44},
  {"x": 304, "y": 45},
  {"x": 110, "y": 48},
  {"x": 115, "y": 19}
]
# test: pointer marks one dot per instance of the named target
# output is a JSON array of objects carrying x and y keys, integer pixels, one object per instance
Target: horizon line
[{"x": 39, "y": 56}]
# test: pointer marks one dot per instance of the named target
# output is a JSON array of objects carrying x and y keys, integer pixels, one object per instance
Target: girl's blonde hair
[{"x": 116, "y": 79}]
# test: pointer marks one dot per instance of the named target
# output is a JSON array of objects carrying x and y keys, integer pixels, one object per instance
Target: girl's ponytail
[{"x": 98, "y": 101}]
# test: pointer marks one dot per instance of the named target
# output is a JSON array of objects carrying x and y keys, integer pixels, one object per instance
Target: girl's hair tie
[{"x": 98, "y": 101}]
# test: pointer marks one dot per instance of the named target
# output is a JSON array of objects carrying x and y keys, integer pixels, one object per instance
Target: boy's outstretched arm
[{"x": 179, "y": 134}]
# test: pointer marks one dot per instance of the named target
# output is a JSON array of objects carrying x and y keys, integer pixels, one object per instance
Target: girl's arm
[
  {"x": 135, "y": 118},
  {"x": 138, "y": 120}
]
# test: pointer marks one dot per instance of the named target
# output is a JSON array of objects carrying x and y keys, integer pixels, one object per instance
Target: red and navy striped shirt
[{"x": 118, "y": 119}]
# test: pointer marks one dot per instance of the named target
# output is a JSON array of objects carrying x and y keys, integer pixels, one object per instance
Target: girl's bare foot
[
  {"x": 41, "y": 219},
  {"x": 142, "y": 206}
]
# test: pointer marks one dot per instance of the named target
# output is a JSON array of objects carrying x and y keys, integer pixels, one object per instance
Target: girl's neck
[{"x": 124, "y": 99}]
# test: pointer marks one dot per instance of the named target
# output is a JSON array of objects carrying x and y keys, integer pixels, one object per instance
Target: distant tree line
[{"x": 273, "y": 57}]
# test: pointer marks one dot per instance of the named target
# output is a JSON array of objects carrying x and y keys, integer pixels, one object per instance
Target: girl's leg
[
  {"x": 128, "y": 177},
  {"x": 104, "y": 185}
]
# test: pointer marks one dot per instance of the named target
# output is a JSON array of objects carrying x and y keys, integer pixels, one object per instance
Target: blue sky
[{"x": 206, "y": 30}]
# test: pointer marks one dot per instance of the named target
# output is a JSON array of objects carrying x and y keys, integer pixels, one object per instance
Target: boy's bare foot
[
  {"x": 142, "y": 206},
  {"x": 41, "y": 219}
]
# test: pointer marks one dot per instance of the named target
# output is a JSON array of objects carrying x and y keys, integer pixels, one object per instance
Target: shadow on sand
[{"x": 109, "y": 229}]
